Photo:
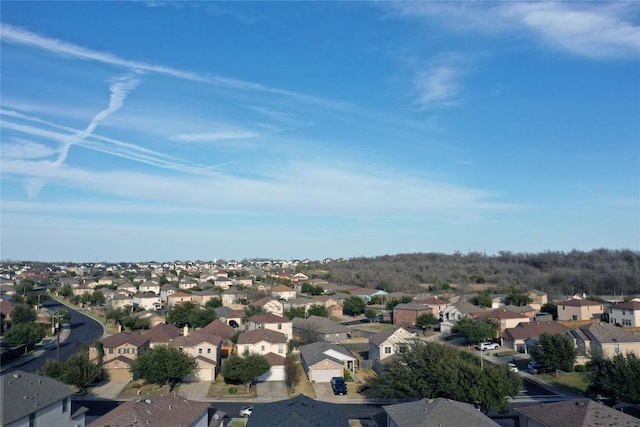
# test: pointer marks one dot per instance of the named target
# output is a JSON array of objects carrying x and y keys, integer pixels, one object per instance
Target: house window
[
  {"x": 261, "y": 348},
  {"x": 387, "y": 350},
  {"x": 616, "y": 348},
  {"x": 209, "y": 351},
  {"x": 199, "y": 351},
  {"x": 122, "y": 350},
  {"x": 280, "y": 348},
  {"x": 246, "y": 349},
  {"x": 111, "y": 351},
  {"x": 65, "y": 404},
  {"x": 32, "y": 420},
  {"x": 279, "y": 326},
  {"x": 131, "y": 350},
  {"x": 574, "y": 317}
]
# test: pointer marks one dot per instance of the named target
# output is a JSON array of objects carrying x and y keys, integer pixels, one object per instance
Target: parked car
[
  {"x": 338, "y": 385},
  {"x": 535, "y": 368},
  {"x": 487, "y": 346},
  {"x": 246, "y": 411},
  {"x": 233, "y": 324},
  {"x": 512, "y": 367}
]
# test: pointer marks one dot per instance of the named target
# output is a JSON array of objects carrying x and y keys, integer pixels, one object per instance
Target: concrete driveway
[
  {"x": 324, "y": 392},
  {"x": 271, "y": 391}
]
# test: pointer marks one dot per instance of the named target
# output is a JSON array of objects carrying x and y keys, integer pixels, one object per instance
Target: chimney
[{"x": 185, "y": 330}]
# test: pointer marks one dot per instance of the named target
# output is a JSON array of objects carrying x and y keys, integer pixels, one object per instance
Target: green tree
[
  {"x": 482, "y": 300},
  {"x": 199, "y": 318},
  {"x": 53, "y": 369},
  {"x": 213, "y": 303},
  {"x": 550, "y": 308},
  {"x": 163, "y": 364},
  {"x": 23, "y": 314},
  {"x": 308, "y": 288},
  {"x": 370, "y": 314},
  {"x": 65, "y": 316},
  {"x": 28, "y": 333},
  {"x": 295, "y": 312},
  {"x": 253, "y": 310},
  {"x": 555, "y": 351},
  {"x": 476, "y": 330},
  {"x": 66, "y": 291},
  {"x": 614, "y": 379},
  {"x": 97, "y": 298},
  {"x": 79, "y": 371},
  {"x": 426, "y": 320},
  {"x": 391, "y": 304},
  {"x": 517, "y": 298},
  {"x": 291, "y": 373},
  {"x": 440, "y": 370},
  {"x": 318, "y": 310},
  {"x": 246, "y": 369},
  {"x": 179, "y": 314},
  {"x": 135, "y": 323},
  {"x": 353, "y": 306}
]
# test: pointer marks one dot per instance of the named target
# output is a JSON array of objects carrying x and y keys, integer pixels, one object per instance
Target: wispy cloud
[
  {"x": 213, "y": 136},
  {"x": 438, "y": 86},
  {"x": 18, "y": 148},
  {"x": 587, "y": 29}
]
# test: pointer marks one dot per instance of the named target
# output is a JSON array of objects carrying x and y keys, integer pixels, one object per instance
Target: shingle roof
[
  {"x": 577, "y": 413},
  {"x": 164, "y": 332},
  {"x": 319, "y": 324},
  {"x": 300, "y": 411},
  {"x": 24, "y": 393},
  {"x": 412, "y": 306},
  {"x": 219, "y": 328},
  {"x": 501, "y": 313},
  {"x": 257, "y": 335},
  {"x": 228, "y": 312},
  {"x": 575, "y": 302},
  {"x": 607, "y": 333},
  {"x": 437, "y": 412},
  {"x": 535, "y": 329},
  {"x": 275, "y": 359},
  {"x": 124, "y": 337},
  {"x": 196, "y": 338},
  {"x": 268, "y": 318},
  {"x": 631, "y": 305},
  {"x": 160, "y": 411},
  {"x": 317, "y": 352}
]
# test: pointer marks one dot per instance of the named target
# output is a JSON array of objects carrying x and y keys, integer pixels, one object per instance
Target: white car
[
  {"x": 512, "y": 367},
  {"x": 246, "y": 411},
  {"x": 487, "y": 346}
]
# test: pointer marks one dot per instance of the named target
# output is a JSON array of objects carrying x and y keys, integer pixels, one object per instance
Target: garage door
[
  {"x": 205, "y": 374},
  {"x": 119, "y": 374},
  {"x": 276, "y": 373},
  {"x": 325, "y": 375}
]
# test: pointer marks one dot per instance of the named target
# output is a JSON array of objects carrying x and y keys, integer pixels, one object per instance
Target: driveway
[
  {"x": 271, "y": 391},
  {"x": 108, "y": 390},
  {"x": 324, "y": 392}
]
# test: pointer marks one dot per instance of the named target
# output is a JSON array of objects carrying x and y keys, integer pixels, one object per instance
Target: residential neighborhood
[{"x": 261, "y": 309}]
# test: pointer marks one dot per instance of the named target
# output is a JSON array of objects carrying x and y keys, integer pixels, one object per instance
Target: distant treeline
[{"x": 597, "y": 272}]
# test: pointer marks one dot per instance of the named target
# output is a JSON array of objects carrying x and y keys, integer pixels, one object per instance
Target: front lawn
[
  {"x": 219, "y": 389},
  {"x": 574, "y": 382},
  {"x": 141, "y": 388}
]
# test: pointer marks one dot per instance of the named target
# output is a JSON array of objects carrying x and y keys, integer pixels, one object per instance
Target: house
[
  {"x": 121, "y": 301},
  {"x": 262, "y": 341},
  {"x": 167, "y": 410},
  {"x": 163, "y": 333},
  {"x": 317, "y": 328},
  {"x": 203, "y": 297},
  {"x": 604, "y": 339},
  {"x": 625, "y": 313},
  {"x": 223, "y": 282},
  {"x": 459, "y": 310},
  {"x": 299, "y": 411},
  {"x": 405, "y": 315},
  {"x": 180, "y": 298},
  {"x": 119, "y": 352},
  {"x": 537, "y": 298},
  {"x": 82, "y": 289},
  {"x": 129, "y": 288},
  {"x": 272, "y": 322},
  {"x": 525, "y": 310},
  {"x": 433, "y": 412},
  {"x": 573, "y": 413},
  {"x": 187, "y": 283},
  {"x": 166, "y": 290},
  {"x": 270, "y": 305},
  {"x": 515, "y": 338},
  {"x": 301, "y": 301},
  {"x": 276, "y": 372},
  {"x": 147, "y": 301},
  {"x": 333, "y": 305},
  {"x": 243, "y": 281},
  {"x": 436, "y": 305},
  {"x": 105, "y": 281},
  {"x": 6, "y": 308},
  {"x": 226, "y": 315},
  {"x": 389, "y": 342},
  {"x": 233, "y": 296},
  {"x": 367, "y": 293},
  {"x": 152, "y": 317},
  {"x": 149, "y": 286},
  {"x": 504, "y": 318},
  {"x": 34, "y": 400},
  {"x": 205, "y": 349},
  {"x": 579, "y": 309},
  {"x": 498, "y": 300},
  {"x": 324, "y": 360},
  {"x": 283, "y": 292}
]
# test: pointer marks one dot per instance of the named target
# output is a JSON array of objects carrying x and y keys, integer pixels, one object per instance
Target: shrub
[
  {"x": 579, "y": 368},
  {"x": 233, "y": 390}
]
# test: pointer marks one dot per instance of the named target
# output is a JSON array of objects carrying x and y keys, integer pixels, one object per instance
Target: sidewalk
[{"x": 46, "y": 344}]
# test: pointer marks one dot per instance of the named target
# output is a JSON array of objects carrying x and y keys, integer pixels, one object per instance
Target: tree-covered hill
[{"x": 597, "y": 272}]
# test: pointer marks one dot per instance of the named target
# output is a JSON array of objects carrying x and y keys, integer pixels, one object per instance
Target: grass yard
[
  {"x": 219, "y": 389},
  {"x": 369, "y": 379},
  {"x": 304, "y": 386},
  {"x": 236, "y": 423},
  {"x": 141, "y": 388},
  {"x": 574, "y": 382}
]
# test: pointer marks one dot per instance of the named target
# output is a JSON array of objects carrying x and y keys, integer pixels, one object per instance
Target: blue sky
[{"x": 137, "y": 131}]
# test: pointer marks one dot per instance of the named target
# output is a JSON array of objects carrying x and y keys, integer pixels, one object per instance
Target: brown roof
[
  {"x": 257, "y": 335},
  {"x": 534, "y": 329},
  {"x": 195, "y": 338},
  {"x": 274, "y": 359},
  {"x": 219, "y": 328},
  {"x": 431, "y": 301},
  {"x": 124, "y": 337},
  {"x": 631, "y": 305},
  {"x": 6, "y": 307},
  {"x": 282, "y": 288},
  {"x": 268, "y": 318},
  {"x": 164, "y": 332},
  {"x": 577, "y": 413},
  {"x": 501, "y": 313},
  {"x": 160, "y": 411},
  {"x": 575, "y": 302},
  {"x": 262, "y": 301}
]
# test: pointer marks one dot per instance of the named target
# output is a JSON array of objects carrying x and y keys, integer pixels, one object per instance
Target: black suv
[{"x": 338, "y": 385}]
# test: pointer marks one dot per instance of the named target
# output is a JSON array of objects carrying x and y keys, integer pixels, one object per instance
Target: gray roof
[
  {"x": 300, "y": 411},
  {"x": 577, "y": 413},
  {"x": 607, "y": 333},
  {"x": 24, "y": 393},
  {"x": 437, "y": 412},
  {"x": 412, "y": 306},
  {"x": 315, "y": 352},
  {"x": 382, "y": 336}
]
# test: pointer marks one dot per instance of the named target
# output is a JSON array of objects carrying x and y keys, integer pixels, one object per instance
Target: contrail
[{"x": 120, "y": 87}]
